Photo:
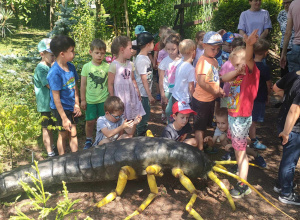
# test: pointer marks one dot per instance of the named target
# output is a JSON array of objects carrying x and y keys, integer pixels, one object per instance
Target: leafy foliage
[
  {"x": 38, "y": 199},
  {"x": 5, "y": 15},
  {"x": 66, "y": 20}
]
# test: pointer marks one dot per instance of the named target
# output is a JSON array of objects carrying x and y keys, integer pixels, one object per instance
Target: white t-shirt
[
  {"x": 103, "y": 122},
  {"x": 169, "y": 66},
  {"x": 199, "y": 53},
  {"x": 185, "y": 73},
  {"x": 143, "y": 66}
]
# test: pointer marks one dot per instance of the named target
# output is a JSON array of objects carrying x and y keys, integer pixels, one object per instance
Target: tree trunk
[
  {"x": 126, "y": 18},
  {"x": 98, "y": 10},
  {"x": 52, "y": 10}
]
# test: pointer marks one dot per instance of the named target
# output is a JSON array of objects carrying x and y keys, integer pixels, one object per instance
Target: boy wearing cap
[
  {"x": 42, "y": 92},
  {"x": 208, "y": 85},
  {"x": 179, "y": 129},
  {"x": 144, "y": 77},
  {"x": 226, "y": 48},
  {"x": 137, "y": 30},
  {"x": 64, "y": 102}
]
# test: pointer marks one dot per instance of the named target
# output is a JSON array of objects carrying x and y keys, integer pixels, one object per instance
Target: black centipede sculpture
[{"x": 125, "y": 160}]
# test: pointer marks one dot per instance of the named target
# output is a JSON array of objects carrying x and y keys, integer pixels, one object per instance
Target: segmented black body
[{"x": 104, "y": 163}]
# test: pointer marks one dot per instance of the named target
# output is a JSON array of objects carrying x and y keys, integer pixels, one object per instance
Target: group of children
[{"x": 117, "y": 96}]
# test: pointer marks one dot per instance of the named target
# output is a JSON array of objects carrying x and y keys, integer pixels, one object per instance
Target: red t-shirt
[
  {"x": 156, "y": 47},
  {"x": 242, "y": 93}
]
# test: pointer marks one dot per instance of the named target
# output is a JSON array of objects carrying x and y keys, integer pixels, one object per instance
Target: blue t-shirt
[
  {"x": 222, "y": 57},
  {"x": 265, "y": 75},
  {"x": 65, "y": 82}
]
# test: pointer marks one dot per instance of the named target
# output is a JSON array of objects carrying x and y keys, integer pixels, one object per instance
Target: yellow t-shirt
[{"x": 208, "y": 67}]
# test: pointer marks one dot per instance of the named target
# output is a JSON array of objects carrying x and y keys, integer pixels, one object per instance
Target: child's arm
[
  {"x": 110, "y": 83},
  {"x": 290, "y": 121},
  {"x": 136, "y": 121},
  {"x": 110, "y": 133},
  {"x": 146, "y": 86},
  {"x": 161, "y": 86},
  {"x": 155, "y": 59},
  {"x": 135, "y": 86},
  {"x": 191, "y": 88},
  {"x": 66, "y": 123},
  {"x": 230, "y": 76},
  {"x": 201, "y": 82},
  {"x": 250, "y": 41},
  {"x": 77, "y": 110},
  {"x": 264, "y": 34},
  {"x": 83, "y": 92},
  {"x": 210, "y": 140}
]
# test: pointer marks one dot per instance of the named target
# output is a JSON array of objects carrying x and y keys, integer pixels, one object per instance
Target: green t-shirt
[
  {"x": 41, "y": 91},
  {"x": 96, "y": 82}
]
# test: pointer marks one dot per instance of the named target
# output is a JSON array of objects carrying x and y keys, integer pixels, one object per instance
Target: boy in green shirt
[
  {"x": 93, "y": 88},
  {"x": 42, "y": 92}
]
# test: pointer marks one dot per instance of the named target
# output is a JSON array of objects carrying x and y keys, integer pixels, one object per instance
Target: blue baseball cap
[
  {"x": 139, "y": 29},
  {"x": 212, "y": 38},
  {"x": 228, "y": 37}
]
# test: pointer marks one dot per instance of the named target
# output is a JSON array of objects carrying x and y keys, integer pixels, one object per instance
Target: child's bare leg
[
  {"x": 104, "y": 141},
  {"x": 199, "y": 135},
  {"x": 89, "y": 128},
  {"x": 243, "y": 163},
  {"x": 224, "y": 140},
  {"x": 73, "y": 139},
  {"x": 252, "y": 130},
  {"x": 48, "y": 139},
  {"x": 62, "y": 141},
  {"x": 125, "y": 136},
  {"x": 191, "y": 141}
]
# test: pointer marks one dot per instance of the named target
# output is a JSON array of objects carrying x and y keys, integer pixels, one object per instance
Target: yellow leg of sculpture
[
  {"x": 186, "y": 182},
  {"x": 214, "y": 178},
  {"x": 126, "y": 173},
  {"x": 151, "y": 171}
]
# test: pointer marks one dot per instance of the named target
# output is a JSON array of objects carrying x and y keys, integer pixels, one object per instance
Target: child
[
  {"x": 185, "y": 73},
  {"x": 137, "y": 30},
  {"x": 289, "y": 128},
  {"x": 112, "y": 125},
  {"x": 200, "y": 49},
  {"x": 264, "y": 91},
  {"x": 42, "y": 92},
  {"x": 208, "y": 85},
  {"x": 243, "y": 91},
  {"x": 156, "y": 49},
  {"x": 228, "y": 67},
  {"x": 167, "y": 69},
  {"x": 121, "y": 81},
  {"x": 255, "y": 18},
  {"x": 221, "y": 135},
  {"x": 94, "y": 88},
  {"x": 144, "y": 77},
  {"x": 179, "y": 129},
  {"x": 226, "y": 48},
  {"x": 64, "y": 95}
]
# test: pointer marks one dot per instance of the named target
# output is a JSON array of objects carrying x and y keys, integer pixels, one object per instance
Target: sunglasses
[{"x": 116, "y": 117}]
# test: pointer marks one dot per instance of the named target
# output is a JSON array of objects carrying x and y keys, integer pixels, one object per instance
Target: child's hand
[
  {"x": 221, "y": 93},
  {"x": 252, "y": 38},
  {"x": 164, "y": 100},
  {"x": 67, "y": 125},
  {"x": 77, "y": 111},
  {"x": 228, "y": 146},
  {"x": 127, "y": 124},
  {"x": 207, "y": 139},
  {"x": 151, "y": 100},
  {"x": 241, "y": 70},
  {"x": 83, "y": 105},
  {"x": 137, "y": 120}
]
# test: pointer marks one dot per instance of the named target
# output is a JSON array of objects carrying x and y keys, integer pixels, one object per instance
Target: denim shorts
[
  {"x": 70, "y": 116},
  {"x": 293, "y": 58},
  {"x": 258, "y": 112}
]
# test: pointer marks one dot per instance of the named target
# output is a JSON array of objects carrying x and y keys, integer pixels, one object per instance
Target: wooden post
[
  {"x": 52, "y": 7},
  {"x": 181, "y": 11},
  {"x": 126, "y": 18}
]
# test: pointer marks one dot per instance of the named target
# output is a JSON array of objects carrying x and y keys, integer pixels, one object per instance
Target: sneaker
[
  {"x": 260, "y": 161},
  {"x": 292, "y": 199},
  {"x": 228, "y": 156},
  {"x": 258, "y": 145},
  {"x": 55, "y": 150},
  {"x": 88, "y": 144},
  {"x": 277, "y": 187},
  {"x": 158, "y": 97},
  {"x": 240, "y": 190}
]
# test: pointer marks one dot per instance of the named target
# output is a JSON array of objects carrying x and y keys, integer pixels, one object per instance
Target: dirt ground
[{"x": 172, "y": 199}]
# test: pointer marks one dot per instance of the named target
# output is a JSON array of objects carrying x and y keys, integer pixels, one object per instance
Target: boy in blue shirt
[{"x": 64, "y": 102}]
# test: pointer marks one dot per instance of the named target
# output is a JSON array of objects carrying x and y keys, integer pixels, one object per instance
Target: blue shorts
[
  {"x": 293, "y": 58},
  {"x": 258, "y": 112}
]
